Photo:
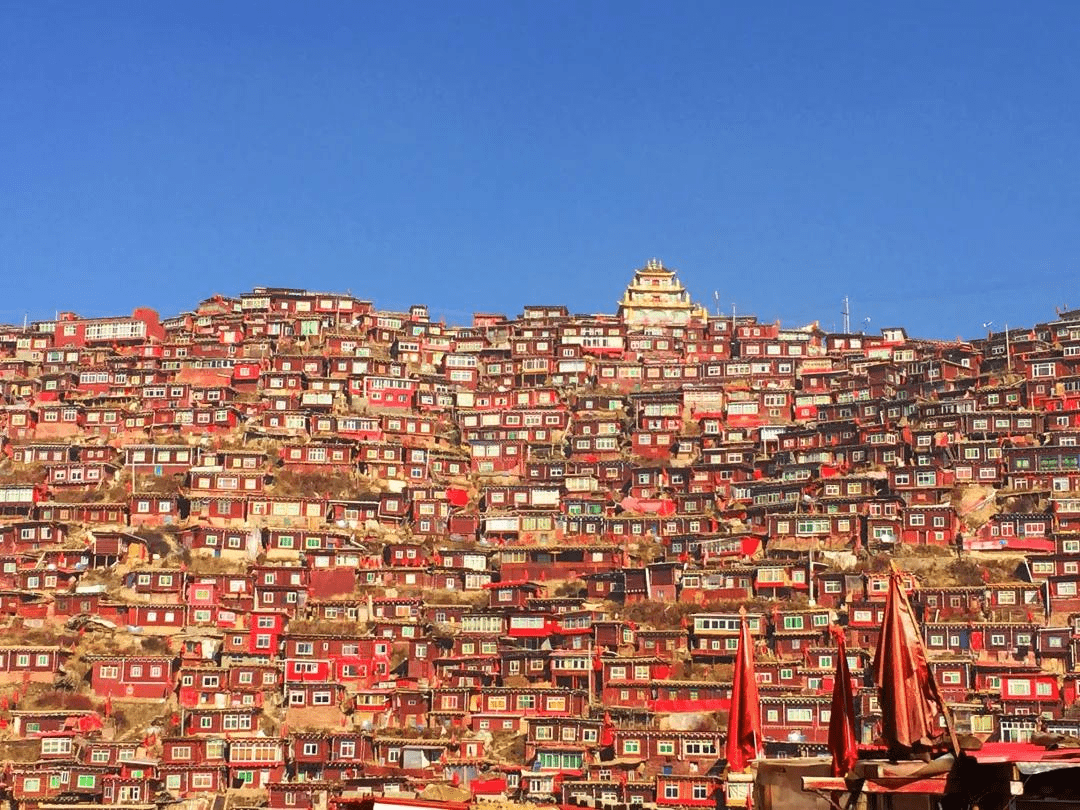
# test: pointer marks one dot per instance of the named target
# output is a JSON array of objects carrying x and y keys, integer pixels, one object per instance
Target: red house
[{"x": 120, "y": 676}]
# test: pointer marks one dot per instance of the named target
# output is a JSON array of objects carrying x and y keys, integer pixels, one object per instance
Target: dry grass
[
  {"x": 46, "y": 636},
  {"x": 984, "y": 569},
  {"x": 161, "y": 542},
  {"x": 661, "y": 615},
  {"x": 441, "y": 597},
  {"x": 336, "y": 484},
  {"x": 133, "y": 718},
  {"x": 156, "y": 484},
  {"x": 200, "y": 565},
  {"x": 12, "y": 473},
  {"x": 115, "y": 491},
  {"x": 508, "y": 747},
  {"x": 55, "y": 699}
]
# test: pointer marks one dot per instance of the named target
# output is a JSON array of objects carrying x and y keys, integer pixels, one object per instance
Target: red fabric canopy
[
  {"x": 497, "y": 785},
  {"x": 911, "y": 706},
  {"x": 976, "y": 640},
  {"x": 88, "y": 723},
  {"x": 843, "y": 744},
  {"x": 744, "y": 720},
  {"x": 607, "y": 731},
  {"x": 687, "y": 705},
  {"x": 457, "y": 497}
]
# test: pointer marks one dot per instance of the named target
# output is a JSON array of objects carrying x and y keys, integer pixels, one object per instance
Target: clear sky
[{"x": 921, "y": 158}]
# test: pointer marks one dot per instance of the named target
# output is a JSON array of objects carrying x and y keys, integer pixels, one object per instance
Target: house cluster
[{"x": 326, "y": 550}]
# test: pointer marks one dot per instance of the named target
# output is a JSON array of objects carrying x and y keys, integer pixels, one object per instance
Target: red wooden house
[
  {"x": 318, "y": 457},
  {"x": 156, "y": 510},
  {"x": 929, "y": 524},
  {"x": 224, "y": 722},
  {"x": 255, "y": 762},
  {"x": 122, "y": 676},
  {"x": 21, "y": 663},
  {"x": 1033, "y": 693},
  {"x": 1010, "y": 531},
  {"x": 715, "y": 636}
]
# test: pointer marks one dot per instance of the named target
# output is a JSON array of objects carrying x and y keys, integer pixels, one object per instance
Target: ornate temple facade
[{"x": 657, "y": 297}]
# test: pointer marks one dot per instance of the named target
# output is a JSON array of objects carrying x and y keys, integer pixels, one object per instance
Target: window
[
  {"x": 1043, "y": 369},
  {"x": 699, "y": 748},
  {"x": 203, "y": 781},
  {"x": 556, "y": 704},
  {"x": 671, "y": 791},
  {"x": 57, "y": 745}
]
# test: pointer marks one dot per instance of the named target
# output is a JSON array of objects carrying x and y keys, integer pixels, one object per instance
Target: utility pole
[
  {"x": 1008, "y": 351},
  {"x": 847, "y": 316}
]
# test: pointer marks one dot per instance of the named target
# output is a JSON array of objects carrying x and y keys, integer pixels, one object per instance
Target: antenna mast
[{"x": 847, "y": 317}]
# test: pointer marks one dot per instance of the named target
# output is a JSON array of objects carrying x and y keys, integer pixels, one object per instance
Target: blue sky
[{"x": 920, "y": 158}]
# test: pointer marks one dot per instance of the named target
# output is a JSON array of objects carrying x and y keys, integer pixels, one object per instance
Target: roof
[{"x": 1010, "y": 752}]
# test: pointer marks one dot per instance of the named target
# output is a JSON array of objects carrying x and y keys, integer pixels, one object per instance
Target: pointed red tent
[
  {"x": 843, "y": 744},
  {"x": 911, "y": 704},
  {"x": 744, "y": 720}
]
